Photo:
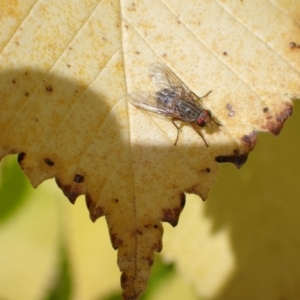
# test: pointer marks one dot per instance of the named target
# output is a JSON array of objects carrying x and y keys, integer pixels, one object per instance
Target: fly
[{"x": 173, "y": 99}]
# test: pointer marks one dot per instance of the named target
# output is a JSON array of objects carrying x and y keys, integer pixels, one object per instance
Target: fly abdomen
[{"x": 167, "y": 97}]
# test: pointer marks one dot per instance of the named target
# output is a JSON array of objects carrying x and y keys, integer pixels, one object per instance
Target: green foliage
[
  {"x": 14, "y": 187},
  {"x": 62, "y": 286}
]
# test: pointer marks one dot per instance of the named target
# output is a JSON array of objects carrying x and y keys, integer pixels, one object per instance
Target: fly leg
[
  {"x": 196, "y": 98},
  {"x": 205, "y": 95},
  {"x": 199, "y": 132},
  {"x": 178, "y": 129},
  {"x": 216, "y": 122}
]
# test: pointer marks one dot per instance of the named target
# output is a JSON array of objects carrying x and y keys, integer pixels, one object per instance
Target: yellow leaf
[{"x": 65, "y": 71}]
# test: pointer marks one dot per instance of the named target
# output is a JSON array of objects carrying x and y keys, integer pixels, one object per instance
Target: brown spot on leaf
[
  {"x": 192, "y": 189},
  {"x": 131, "y": 285},
  {"x": 26, "y": 94},
  {"x": 205, "y": 170},
  {"x": 49, "y": 162},
  {"x": 182, "y": 200},
  {"x": 49, "y": 88},
  {"x": 116, "y": 200},
  {"x": 124, "y": 282},
  {"x": 115, "y": 241},
  {"x": 265, "y": 109},
  {"x": 172, "y": 215},
  {"x": 78, "y": 178},
  {"x": 157, "y": 246},
  {"x": 13, "y": 81},
  {"x": 68, "y": 65},
  {"x": 21, "y": 157},
  {"x": 138, "y": 231},
  {"x": 225, "y": 53},
  {"x": 150, "y": 261},
  {"x": 168, "y": 216},
  {"x": 276, "y": 127},
  {"x": 89, "y": 202},
  {"x": 237, "y": 159},
  {"x": 95, "y": 211},
  {"x": 250, "y": 140},
  {"x": 69, "y": 191}
]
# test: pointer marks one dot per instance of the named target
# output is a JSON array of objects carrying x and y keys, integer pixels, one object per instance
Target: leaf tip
[
  {"x": 128, "y": 293},
  {"x": 69, "y": 190},
  {"x": 115, "y": 241},
  {"x": 249, "y": 140},
  {"x": 95, "y": 211},
  {"x": 171, "y": 215},
  {"x": 276, "y": 126}
]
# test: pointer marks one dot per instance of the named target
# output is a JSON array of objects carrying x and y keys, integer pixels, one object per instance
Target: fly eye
[{"x": 201, "y": 122}]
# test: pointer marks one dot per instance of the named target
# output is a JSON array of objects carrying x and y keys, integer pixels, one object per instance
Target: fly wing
[
  {"x": 163, "y": 78},
  {"x": 147, "y": 101}
]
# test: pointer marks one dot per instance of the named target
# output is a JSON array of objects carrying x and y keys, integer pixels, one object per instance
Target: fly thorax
[{"x": 188, "y": 110}]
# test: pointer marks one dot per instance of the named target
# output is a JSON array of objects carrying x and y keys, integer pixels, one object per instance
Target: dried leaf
[{"x": 64, "y": 75}]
